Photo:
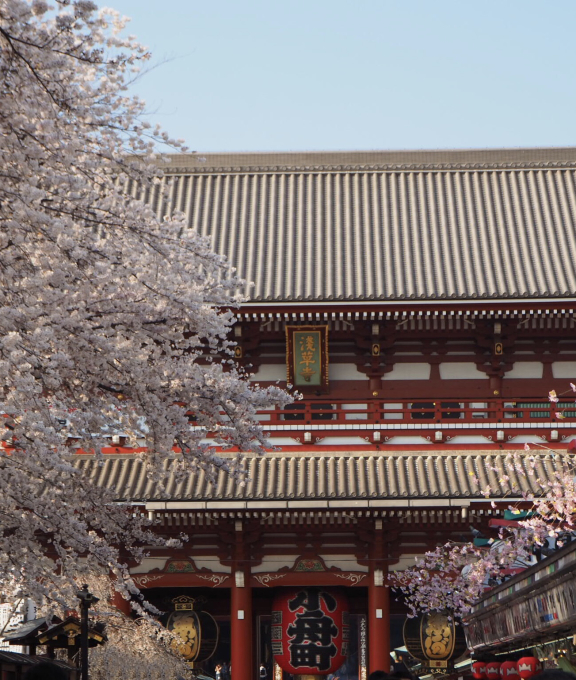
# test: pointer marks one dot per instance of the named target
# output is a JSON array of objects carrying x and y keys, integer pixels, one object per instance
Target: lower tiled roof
[
  {"x": 27, "y": 660},
  {"x": 321, "y": 476}
]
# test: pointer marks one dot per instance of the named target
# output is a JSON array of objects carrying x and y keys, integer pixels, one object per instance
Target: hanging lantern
[
  {"x": 198, "y": 630},
  {"x": 435, "y": 639},
  {"x": 528, "y": 666},
  {"x": 310, "y": 631},
  {"x": 479, "y": 670},
  {"x": 509, "y": 671},
  {"x": 493, "y": 670}
]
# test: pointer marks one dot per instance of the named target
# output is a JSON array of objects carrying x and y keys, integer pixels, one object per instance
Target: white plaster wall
[
  {"x": 264, "y": 417},
  {"x": 526, "y": 439},
  {"x": 408, "y": 439},
  {"x": 564, "y": 369},
  {"x": 396, "y": 411},
  {"x": 283, "y": 441},
  {"x": 404, "y": 562},
  {"x": 469, "y": 439},
  {"x": 343, "y": 441},
  {"x": 274, "y": 563},
  {"x": 270, "y": 372},
  {"x": 212, "y": 563},
  {"x": 526, "y": 369},
  {"x": 149, "y": 563},
  {"x": 344, "y": 562},
  {"x": 345, "y": 372},
  {"x": 417, "y": 371},
  {"x": 355, "y": 407},
  {"x": 460, "y": 370}
]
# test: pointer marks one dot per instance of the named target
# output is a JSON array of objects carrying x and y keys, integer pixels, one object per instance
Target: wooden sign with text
[{"x": 307, "y": 357}]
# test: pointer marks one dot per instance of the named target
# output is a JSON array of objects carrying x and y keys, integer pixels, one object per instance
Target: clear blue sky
[{"x": 283, "y": 75}]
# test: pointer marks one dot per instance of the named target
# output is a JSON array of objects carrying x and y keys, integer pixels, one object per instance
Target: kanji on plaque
[
  {"x": 307, "y": 357},
  {"x": 312, "y": 626}
]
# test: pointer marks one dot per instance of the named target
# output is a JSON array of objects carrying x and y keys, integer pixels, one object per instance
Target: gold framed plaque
[{"x": 307, "y": 357}]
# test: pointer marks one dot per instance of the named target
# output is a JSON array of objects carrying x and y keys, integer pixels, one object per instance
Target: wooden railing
[
  {"x": 382, "y": 420},
  {"x": 411, "y": 411},
  {"x": 498, "y": 419}
]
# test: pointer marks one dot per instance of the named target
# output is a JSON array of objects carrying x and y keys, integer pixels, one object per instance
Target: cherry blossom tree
[
  {"x": 455, "y": 575},
  {"x": 134, "y": 649},
  {"x": 113, "y": 321}
]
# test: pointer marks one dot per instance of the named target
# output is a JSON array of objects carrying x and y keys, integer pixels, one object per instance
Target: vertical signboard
[
  {"x": 307, "y": 357},
  {"x": 362, "y": 648}
]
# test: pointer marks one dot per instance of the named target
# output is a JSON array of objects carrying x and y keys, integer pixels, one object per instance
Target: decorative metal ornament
[
  {"x": 435, "y": 639},
  {"x": 198, "y": 630},
  {"x": 309, "y": 565}
]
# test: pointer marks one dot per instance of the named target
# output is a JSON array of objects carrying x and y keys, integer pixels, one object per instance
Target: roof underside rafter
[{"x": 543, "y": 318}]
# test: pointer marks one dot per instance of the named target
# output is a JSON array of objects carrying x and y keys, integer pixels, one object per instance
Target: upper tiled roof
[
  {"x": 338, "y": 477},
  {"x": 352, "y": 226}
]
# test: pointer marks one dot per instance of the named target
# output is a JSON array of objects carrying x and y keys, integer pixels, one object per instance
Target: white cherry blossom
[
  {"x": 456, "y": 575},
  {"x": 112, "y": 320}
]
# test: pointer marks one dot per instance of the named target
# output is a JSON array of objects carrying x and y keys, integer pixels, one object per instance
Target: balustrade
[
  {"x": 339, "y": 416},
  {"x": 383, "y": 411}
]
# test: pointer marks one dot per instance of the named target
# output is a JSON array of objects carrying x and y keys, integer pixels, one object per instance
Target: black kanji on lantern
[
  {"x": 310, "y": 600},
  {"x": 313, "y": 631}
]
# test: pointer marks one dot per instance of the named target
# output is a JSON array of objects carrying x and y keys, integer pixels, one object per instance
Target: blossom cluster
[
  {"x": 115, "y": 318},
  {"x": 455, "y": 575}
]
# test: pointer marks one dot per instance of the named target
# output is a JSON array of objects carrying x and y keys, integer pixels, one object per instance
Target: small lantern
[
  {"x": 198, "y": 630},
  {"x": 509, "y": 671},
  {"x": 479, "y": 670},
  {"x": 493, "y": 670},
  {"x": 310, "y": 631},
  {"x": 528, "y": 666},
  {"x": 435, "y": 639}
]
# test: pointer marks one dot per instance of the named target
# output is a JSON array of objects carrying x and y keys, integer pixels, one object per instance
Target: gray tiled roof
[
  {"x": 388, "y": 225},
  {"x": 310, "y": 476}
]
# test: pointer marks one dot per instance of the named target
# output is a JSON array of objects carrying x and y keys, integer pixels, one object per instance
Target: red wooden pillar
[
  {"x": 378, "y": 619},
  {"x": 241, "y": 611},
  {"x": 121, "y": 604},
  {"x": 241, "y": 626}
]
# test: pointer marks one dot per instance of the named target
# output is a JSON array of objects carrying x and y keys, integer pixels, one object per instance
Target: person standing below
[
  {"x": 263, "y": 673},
  {"x": 225, "y": 671}
]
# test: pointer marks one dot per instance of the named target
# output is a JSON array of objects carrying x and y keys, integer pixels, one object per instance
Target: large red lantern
[
  {"x": 528, "y": 666},
  {"x": 310, "y": 631},
  {"x": 479, "y": 670},
  {"x": 493, "y": 670},
  {"x": 509, "y": 671}
]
